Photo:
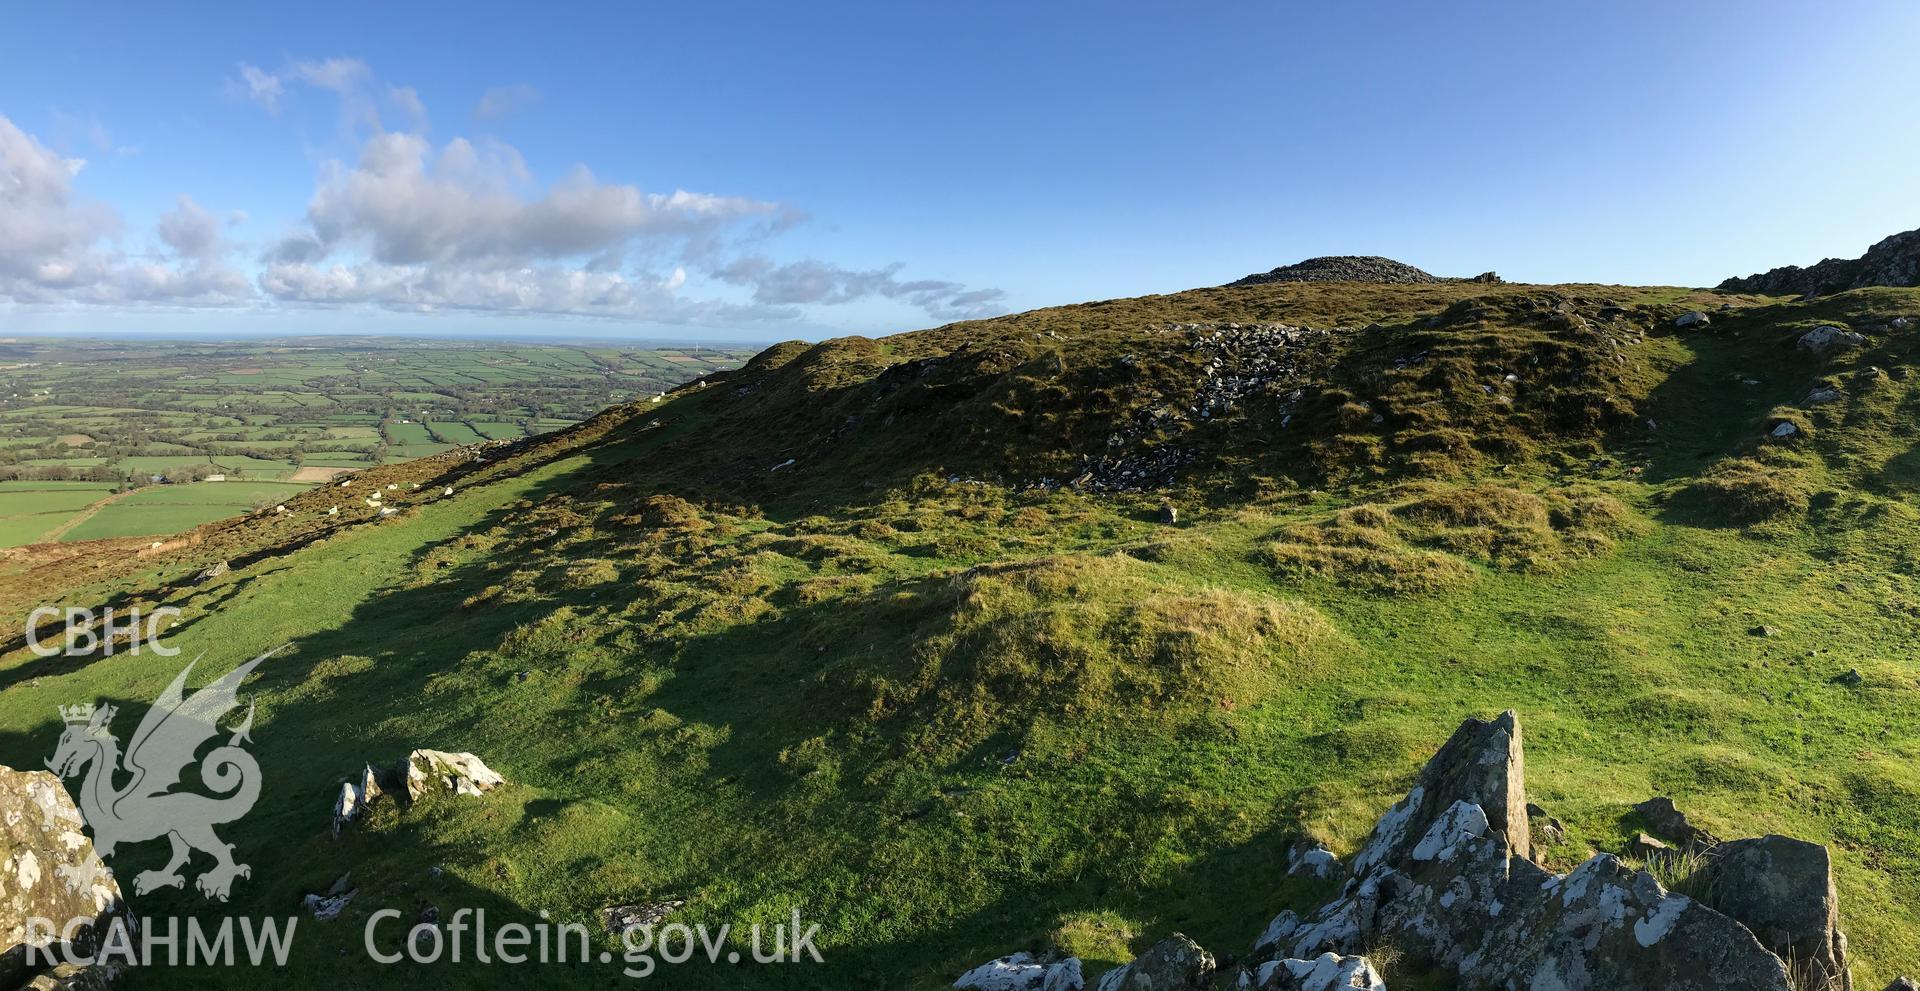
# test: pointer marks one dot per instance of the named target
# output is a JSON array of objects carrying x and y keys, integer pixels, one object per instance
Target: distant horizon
[{"x": 449, "y": 336}]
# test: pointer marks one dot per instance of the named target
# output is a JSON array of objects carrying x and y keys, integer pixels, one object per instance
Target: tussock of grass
[
  {"x": 1086, "y": 637},
  {"x": 1363, "y": 557},
  {"x": 1746, "y": 491},
  {"x": 1421, "y": 538}
]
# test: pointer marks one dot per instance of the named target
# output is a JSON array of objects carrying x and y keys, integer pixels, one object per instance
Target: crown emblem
[{"x": 83, "y": 713}]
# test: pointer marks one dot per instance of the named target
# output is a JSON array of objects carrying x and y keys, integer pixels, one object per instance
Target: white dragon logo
[{"x": 160, "y": 750}]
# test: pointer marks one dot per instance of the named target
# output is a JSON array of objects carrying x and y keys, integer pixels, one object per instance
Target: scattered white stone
[{"x": 1826, "y": 338}]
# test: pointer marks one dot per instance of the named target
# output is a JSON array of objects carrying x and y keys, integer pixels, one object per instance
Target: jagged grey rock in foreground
[
  {"x": 1327, "y": 972},
  {"x": 1173, "y": 964},
  {"x": 1895, "y": 261},
  {"x": 1482, "y": 764},
  {"x": 48, "y": 870},
  {"x": 1444, "y": 878},
  {"x": 1782, "y": 889},
  {"x": 1024, "y": 972}
]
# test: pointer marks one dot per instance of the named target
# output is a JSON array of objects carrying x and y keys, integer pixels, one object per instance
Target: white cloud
[
  {"x": 502, "y": 102},
  {"x": 541, "y": 290},
  {"x": 825, "y": 283},
  {"x": 405, "y": 204},
  {"x": 341, "y": 75},
  {"x": 418, "y": 227},
  {"x": 260, "y": 86},
  {"x": 57, "y": 247},
  {"x": 190, "y": 230},
  {"x": 407, "y": 100}
]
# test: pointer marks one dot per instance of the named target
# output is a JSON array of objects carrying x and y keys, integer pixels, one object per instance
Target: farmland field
[{"x": 83, "y": 422}]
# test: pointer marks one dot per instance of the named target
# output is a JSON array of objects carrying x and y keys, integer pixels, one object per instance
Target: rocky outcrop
[
  {"x": 420, "y": 773},
  {"x": 48, "y": 870},
  {"x": 1343, "y": 268},
  {"x": 1782, "y": 889},
  {"x": 1327, "y": 972},
  {"x": 1173, "y": 964},
  {"x": 1895, "y": 261},
  {"x": 1024, "y": 972},
  {"x": 1445, "y": 879},
  {"x": 1482, "y": 765}
]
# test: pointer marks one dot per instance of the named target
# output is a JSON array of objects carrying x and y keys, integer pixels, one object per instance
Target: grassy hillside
[{"x": 890, "y": 630}]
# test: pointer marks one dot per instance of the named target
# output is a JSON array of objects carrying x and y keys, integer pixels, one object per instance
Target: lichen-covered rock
[
  {"x": 1311, "y": 858},
  {"x": 1482, "y": 764},
  {"x": 1444, "y": 882},
  {"x": 1694, "y": 319},
  {"x": 355, "y": 798},
  {"x": 1024, "y": 972},
  {"x": 48, "y": 870},
  {"x": 462, "y": 774},
  {"x": 1783, "y": 890},
  {"x": 1822, "y": 339},
  {"x": 1506, "y": 923},
  {"x": 1173, "y": 964},
  {"x": 1327, "y": 972},
  {"x": 1344, "y": 925}
]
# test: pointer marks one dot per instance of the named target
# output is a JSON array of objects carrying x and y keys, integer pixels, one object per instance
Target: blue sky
[{"x": 764, "y": 171}]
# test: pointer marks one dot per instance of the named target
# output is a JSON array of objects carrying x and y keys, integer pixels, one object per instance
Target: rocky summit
[
  {"x": 1894, "y": 261},
  {"x": 1342, "y": 268}
]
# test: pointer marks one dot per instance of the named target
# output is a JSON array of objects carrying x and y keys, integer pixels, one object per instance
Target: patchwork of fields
[{"x": 117, "y": 439}]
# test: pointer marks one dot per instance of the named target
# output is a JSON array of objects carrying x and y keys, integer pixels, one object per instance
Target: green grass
[
  {"x": 951, "y": 714},
  {"x": 28, "y": 510},
  {"x": 165, "y": 509}
]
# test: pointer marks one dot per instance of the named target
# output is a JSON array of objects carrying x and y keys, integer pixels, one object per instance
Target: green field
[
  {"x": 164, "y": 509},
  {"x": 258, "y": 412},
  {"x": 28, "y": 510}
]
